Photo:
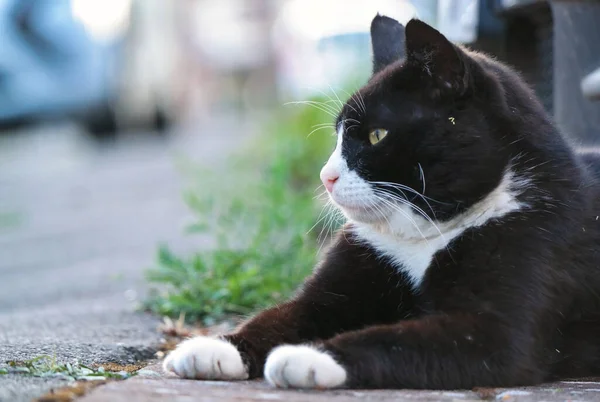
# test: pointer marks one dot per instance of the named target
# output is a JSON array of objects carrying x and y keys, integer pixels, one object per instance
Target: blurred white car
[{"x": 95, "y": 61}]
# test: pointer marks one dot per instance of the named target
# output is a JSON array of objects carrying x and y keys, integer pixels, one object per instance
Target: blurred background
[
  {"x": 111, "y": 109},
  {"x": 122, "y": 65}
]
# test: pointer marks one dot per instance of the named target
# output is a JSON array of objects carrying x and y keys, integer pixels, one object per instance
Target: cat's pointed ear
[
  {"x": 439, "y": 57},
  {"x": 387, "y": 40}
]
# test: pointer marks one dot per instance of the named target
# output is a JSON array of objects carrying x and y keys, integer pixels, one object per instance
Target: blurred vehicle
[
  {"x": 322, "y": 52},
  {"x": 83, "y": 59}
]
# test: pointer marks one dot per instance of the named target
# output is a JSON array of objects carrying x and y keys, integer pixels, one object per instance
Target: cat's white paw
[
  {"x": 303, "y": 367},
  {"x": 204, "y": 358}
]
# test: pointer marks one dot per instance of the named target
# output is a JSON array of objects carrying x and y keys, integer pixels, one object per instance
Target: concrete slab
[{"x": 159, "y": 388}]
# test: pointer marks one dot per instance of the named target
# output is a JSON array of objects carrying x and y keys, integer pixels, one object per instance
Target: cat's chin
[
  {"x": 369, "y": 211},
  {"x": 363, "y": 214}
]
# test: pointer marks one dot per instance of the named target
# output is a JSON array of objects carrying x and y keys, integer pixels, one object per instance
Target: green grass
[
  {"x": 260, "y": 218},
  {"x": 48, "y": 366}
]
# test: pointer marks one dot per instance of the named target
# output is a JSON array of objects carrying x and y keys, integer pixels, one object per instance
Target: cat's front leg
[
  {"x": 437, "y": 352},
  {"x": 349, "y": 290},
  {"x": 239, "y": 355}
]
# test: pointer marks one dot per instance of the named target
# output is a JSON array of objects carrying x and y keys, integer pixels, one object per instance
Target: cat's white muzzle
[{"x": 352, "y": 194}]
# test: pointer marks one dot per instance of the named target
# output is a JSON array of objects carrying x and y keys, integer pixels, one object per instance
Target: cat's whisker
[
  {"x": 335, "y": 102},
  {"x": 327, "y": 209},
  {"x": 317, "y": 105},
  {"x": 324, "y": 125},
  {"x": 407, "y": 188},
  {"x": 318, "y": 129},
  {"x": 422, "y": 178},
  {"x": 329, "y": 97},
  {"x": 393, "y": 197},
  {"x": 354, "y": 120},
  {"x": 327, "y": 103},
  {"x": 414, "y": 224},
  {"x": 332, "y": 216},
  {"x": 400, "y": 188},
  {"x": 338, "y": 98},
  {"x": 348, "y": 128},
  {"x": 312, "y": 103},
  {"x": 360, "y": 110},
  {"x": 403, "y": 201},
  {"x": 406, "y": 202},
  {"x": 404, "y": 187},
  {"x": 335, "y": 218},
  {"x": 359, "y": 101},
  {"x": 405, "y": 214},
  {"x": 321, "y": 195},
  {"x": 373, "y": 204},
  {"x": 362, "y": 101},
  {"x": 335, "y": 94},
  {"x": 320, "y": 217}
]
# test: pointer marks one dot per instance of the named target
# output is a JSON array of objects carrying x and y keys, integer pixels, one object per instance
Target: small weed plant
[
  {"x": 48, "y": 366},
  {"x": 262, "y": 220}
]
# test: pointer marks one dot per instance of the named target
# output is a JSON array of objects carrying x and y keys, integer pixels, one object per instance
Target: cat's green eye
[{"x": 377, "y": 135}]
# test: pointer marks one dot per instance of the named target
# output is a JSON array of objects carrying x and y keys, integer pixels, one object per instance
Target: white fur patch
[
  {"x": 411, "y": 243},
  {"x": 204, "y": 358},
  {"x": 336, "y": 164},
  {"x": 350, "y": 191},
  {"x": 303, "y": 367}
]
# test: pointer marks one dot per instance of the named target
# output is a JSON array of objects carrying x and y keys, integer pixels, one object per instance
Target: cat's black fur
[{"x": 516, "y": 301}]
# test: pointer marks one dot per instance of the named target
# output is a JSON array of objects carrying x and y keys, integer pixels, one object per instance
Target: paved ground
[
  {"x": 78, "y": 225},
  {"x": 155, "y": 388}
]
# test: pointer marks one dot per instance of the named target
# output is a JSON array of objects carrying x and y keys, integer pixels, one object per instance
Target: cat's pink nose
[{"x": 329, "y": 178}]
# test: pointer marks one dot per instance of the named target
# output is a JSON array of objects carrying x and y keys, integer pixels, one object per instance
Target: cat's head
[{"x": 425, "y": 136}]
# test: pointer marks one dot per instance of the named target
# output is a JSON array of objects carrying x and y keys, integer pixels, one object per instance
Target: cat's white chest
[{"x": 411, "y": 257}]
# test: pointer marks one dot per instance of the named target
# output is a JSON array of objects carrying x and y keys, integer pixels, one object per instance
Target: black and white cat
[{"x": 471, "y": 255}]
